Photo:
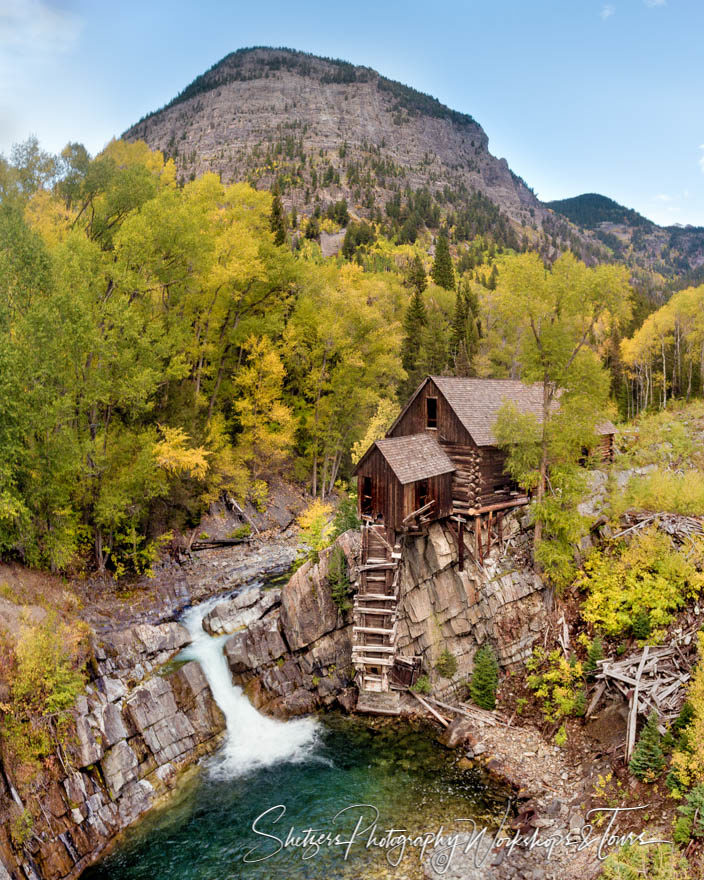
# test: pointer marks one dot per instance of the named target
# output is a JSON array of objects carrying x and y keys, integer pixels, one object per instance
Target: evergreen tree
[
  {"x": 595, "y": 652},
  {"x": 277, "y": 220},
  {"x": 416, "y": 277},
  {"x": 485, "y": 678},
  {"x": 647, "y": 759},
  {"x": 294, "y": 217},
  {"x": 414, "y": 323},
  {"x": 442, "y": 272}
]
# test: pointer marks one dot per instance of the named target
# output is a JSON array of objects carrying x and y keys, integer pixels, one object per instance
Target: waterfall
[{"x": 252, "y": 740}]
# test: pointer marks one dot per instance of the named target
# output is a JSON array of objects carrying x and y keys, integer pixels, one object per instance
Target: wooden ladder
[{"x": 374, "y": 615}]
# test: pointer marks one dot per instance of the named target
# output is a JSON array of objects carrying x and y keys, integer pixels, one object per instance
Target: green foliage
[
  {"x": 446, "y": 665},
  {"x": 692, "y": 814},
  {"x": 339, "y": 580},
  {"x": 595, "y": 652},
  {"x": 243, "y": 531},
  {"x": 485, "y": 678},
  {"x": 346, "y": 515},
  {"x": 558, "y": 684},
  {"x": 641, "y": 626},
  {"x": 442, "y": 272},
  {"x": 21, "y": 828},
  {"x": 656, "y": 862},
  {"x": 422, "y": 685},
  {"x": 648, "y": 760},
  {"x": 647, "y": 576}
]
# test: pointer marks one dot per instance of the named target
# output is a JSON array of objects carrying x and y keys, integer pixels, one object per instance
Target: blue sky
[{"x": 578, "y": 95}]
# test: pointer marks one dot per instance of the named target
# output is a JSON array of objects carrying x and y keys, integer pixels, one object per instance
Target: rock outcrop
[
  {"x": 299, "y": 657},
  {"x": 240, "y": 611},
  {"x": 134, "y": 730},
  {"x": 502, "y": 600}
]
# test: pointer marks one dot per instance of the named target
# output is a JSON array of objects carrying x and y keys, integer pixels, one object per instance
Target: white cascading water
[{"x": 252, "y": 740}]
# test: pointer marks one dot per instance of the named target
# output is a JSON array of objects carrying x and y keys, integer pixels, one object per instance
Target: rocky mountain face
[
  {"x": 326, "y": 130},
  {"x": 323, "y": 130}
]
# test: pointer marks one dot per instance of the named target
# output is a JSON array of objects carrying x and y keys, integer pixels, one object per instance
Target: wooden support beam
[{"x": 460, "y": 549}]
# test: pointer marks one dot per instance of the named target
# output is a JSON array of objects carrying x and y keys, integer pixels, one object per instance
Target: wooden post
[
  {"x": 460, "y": 547},
  {"x": 490, "y": 520},
  {"x": 500, "y": 523},
  {"x": 478, "y": 538}
]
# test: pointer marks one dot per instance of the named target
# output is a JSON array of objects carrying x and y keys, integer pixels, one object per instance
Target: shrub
[
  {"x": 338, "y": 579},
  {"x": 447, "y": 664},
  {"x": 647, "y": 760},
  {"x": 422, "y": 686},
  {"x": 558, "y": 684},
  {"x": 346, "y": 515},
  {"x": 647, "y": 576},
  {"x": 688, "y": 758},
  {"x": 692, "y": 814},
  {"x": 485, "y": 678},
  {"x": 244, "y": 531},
  {"x": 316, "y": 529},
  {"x": 656, "y": 862},
  {"x": 641, "y": 626}
]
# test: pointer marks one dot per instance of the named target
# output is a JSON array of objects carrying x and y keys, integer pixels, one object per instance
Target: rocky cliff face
[
  {"x": 134, "y": 730},
  {"x": 329, "y": 129},
  {"x": 502, "y": 601},
  {"x": 300, "y": 657}
]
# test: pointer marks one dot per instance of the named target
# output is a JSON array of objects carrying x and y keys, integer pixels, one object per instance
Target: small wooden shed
[{"x": 399, "y": 475}]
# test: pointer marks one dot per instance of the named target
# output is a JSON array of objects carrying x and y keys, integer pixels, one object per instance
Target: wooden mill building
[{"x": 438, "y": 461}]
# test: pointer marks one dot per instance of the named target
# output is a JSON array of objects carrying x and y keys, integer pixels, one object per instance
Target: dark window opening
[
  {"x": 431, "y": 412},
  {"x": 422, "y": 494},
  {"x": 367, "y": 501}
]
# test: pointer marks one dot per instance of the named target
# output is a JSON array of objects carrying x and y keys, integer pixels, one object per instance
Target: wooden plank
[
  {"x": 443, "y": 721},
  {"x": 633, "y": 715}
]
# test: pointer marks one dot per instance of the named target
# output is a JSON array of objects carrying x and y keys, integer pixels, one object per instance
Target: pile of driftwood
[
  {"x": 651, "y": 680},
  {"x": 680, "y": 527},
  {"x": 474, "y": 713}
]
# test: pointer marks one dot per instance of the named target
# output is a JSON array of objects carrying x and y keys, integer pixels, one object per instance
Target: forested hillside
[{"x": 164, "y": 344}]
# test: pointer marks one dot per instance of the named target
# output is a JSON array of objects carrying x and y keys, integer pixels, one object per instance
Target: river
[{"x": 303, "y": 772}]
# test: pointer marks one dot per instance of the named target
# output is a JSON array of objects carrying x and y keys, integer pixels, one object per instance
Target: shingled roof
[
  {"x": 414, "y": 457},
  {"x": 476, "y": 402}
]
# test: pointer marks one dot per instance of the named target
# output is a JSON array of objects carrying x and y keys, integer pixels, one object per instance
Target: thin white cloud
[
  {"x": 653, "y": 3},
  {"x": 607, "y": 10},
  {"x": 36, "y": 27}
]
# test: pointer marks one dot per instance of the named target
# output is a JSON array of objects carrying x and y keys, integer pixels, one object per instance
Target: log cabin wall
[{"x": 496, "y": 484}]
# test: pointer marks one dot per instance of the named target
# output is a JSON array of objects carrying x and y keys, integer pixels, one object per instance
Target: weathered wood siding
[
  {"x": 449, "y": 429},
  {"x": 496, "y": 484},
  {"x": 387, "y": 491},
  {"x": 393, "y": 500}
]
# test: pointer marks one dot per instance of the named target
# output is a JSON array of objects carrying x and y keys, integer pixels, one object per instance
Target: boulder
[
  {"x": 119, "y": 767},
  {"x": 256, "y": 646},
  {"x": 240, "y": 611},
  {"x": 307, "y": 609}
]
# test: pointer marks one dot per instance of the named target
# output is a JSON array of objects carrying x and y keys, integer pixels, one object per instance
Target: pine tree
[
  {"x": 416, "y": 277},
  {"x": 414, "y": 324},
  {"x": 485, "y": 678},
  {"x": 647, "y": 759},
  {"x": 442, "y": 272},
  {"x": 277, "y": 220},
  {"x": 595, "y": 652}
]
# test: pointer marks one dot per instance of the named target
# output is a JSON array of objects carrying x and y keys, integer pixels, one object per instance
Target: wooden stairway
[{"x": 374, "y": 620}]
